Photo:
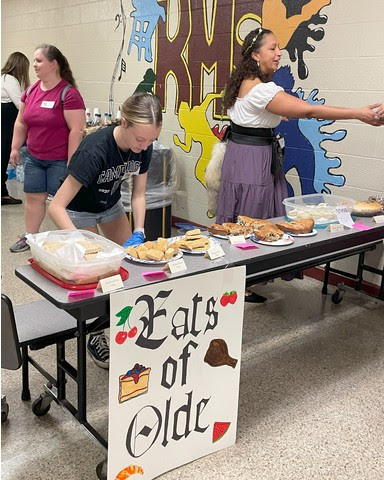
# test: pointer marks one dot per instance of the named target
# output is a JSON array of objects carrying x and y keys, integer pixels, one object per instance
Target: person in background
[
  {"x": 89, "y": 197},
  {"x": 255, "y": 105},
  {"x": 52, "y": 128},
  {"x": 14, "y": 79}
]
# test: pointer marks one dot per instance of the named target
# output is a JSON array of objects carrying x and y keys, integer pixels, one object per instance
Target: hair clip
[{"x": 254, "y": 39}]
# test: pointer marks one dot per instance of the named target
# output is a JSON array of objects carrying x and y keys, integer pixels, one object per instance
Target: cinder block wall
[{"x": 347, "y": 68}]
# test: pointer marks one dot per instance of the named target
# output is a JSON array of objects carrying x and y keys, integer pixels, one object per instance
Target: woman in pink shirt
[{"x": 50, "y": 120}]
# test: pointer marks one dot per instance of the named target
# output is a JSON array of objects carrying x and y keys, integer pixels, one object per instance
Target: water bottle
[
  {"x": 118, "y": 116},
  {"x": 20, "y": 173},
  {"x": 88, "y": 118}
]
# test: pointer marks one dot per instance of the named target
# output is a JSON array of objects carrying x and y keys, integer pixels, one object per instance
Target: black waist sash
[{"x": 248, "y": 135}]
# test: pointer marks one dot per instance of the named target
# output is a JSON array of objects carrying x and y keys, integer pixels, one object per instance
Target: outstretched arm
[{"x": 286, "y": 105}]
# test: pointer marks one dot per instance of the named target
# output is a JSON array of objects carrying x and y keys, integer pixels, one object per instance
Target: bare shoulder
[{"x": 246, "y": 86}]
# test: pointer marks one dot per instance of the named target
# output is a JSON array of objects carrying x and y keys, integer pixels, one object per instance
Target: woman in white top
[
  {"x": 14, "y": 80},
  {"x": 251, "y": 184}
]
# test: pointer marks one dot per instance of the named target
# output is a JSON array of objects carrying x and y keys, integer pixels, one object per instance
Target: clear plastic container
[
  {"x": 321, "y": 207},
  {"x": 68, "y": 263}
]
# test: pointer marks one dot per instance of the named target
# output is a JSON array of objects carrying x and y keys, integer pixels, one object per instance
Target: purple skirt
[{"x": 248, "y": 186}]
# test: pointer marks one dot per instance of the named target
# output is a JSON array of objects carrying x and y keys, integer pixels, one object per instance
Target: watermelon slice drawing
[{"x": 219, "y": 430}]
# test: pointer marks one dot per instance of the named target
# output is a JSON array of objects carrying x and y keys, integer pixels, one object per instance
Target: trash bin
[{"x": 162, "y": 182}]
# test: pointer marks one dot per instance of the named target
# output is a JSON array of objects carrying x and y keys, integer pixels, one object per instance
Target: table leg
[{"x": 81, "y": 372}]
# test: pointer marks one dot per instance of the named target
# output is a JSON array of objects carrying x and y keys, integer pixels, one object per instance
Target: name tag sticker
[
  {"x": 111, "y": 284},
  {"x": 216, "y": 251},
  {"x": 236, "y": 239},
  {"x": 378, "y": 218},
  {"x": 335, "y": 227},
  {"x": 176, "y": 266},
  {"x": 47, "y": 104}
]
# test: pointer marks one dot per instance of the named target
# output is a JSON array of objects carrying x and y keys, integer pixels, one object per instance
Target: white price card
[
  {"x": 344, "y": 216},
  {"x": 216, "y": 251},
  {"x": 176, "y": 266},
  {"x": 378, "y": 218},
  {"x": 111, "y": 284},
  {"x": 335, "y": 227},
  {"x": 236, "y": 239}
]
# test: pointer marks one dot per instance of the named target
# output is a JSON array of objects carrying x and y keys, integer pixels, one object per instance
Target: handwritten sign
[
  {"x": 335, "y": 227},
  {"x": 176, "y": 266},
  {"x": 110, "y": 284},
  {"x": 344, "y": 216},
  {"x": 216, "y": 251},
  {"x": 174, "y": 371},
  {"x": 236, "y": 239}
]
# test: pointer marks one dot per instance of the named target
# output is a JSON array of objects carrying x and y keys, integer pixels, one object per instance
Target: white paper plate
[
  {"x": 198, "y": 252},
  {"x": 310, "y": 234},
  {"x": 286, "y": 240}
]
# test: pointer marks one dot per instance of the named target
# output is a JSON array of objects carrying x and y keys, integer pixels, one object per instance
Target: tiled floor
[{"x": 311, "y": 394}]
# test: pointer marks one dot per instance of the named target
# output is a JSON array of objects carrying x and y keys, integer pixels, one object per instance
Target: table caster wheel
[
  {"x": 40, "y": 406},
  {"x": 101, "y": 470},
  {"x": 4, "y": 411},
  {"x": 337, "y": 297}
]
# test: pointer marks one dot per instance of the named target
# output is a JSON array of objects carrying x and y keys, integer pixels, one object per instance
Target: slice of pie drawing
[{"x": 134, "y": 383}]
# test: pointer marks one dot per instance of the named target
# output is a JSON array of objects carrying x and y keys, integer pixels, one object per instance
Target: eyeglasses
[{"x": 254, "y": 39}]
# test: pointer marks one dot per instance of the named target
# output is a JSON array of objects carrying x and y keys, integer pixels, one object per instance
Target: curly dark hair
[
  {"x": 53, "y": 53},
  {"x": 247, "y": 68}
]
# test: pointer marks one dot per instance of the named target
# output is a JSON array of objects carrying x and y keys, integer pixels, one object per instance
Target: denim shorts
[
  {"x": 89, "y": 219},
  {"x": 43, "y": 176}
]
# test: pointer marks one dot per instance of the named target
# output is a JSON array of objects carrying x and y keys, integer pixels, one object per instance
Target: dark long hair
[
  {"x": 17, "y": 65},
  {"x": 53, "y": 53},
  {"x": 247, "y": 68}
]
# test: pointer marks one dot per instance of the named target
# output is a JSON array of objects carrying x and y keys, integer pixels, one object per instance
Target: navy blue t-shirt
[{"x": 100, "y": 166}]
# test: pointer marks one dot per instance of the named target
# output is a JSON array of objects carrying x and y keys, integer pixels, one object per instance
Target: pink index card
[
  {"x": 154, "y": 274},
  {"x": 81, "y": 293},
  {"x": 245, "y": 246},
  {"x": 361, "y": 226}
]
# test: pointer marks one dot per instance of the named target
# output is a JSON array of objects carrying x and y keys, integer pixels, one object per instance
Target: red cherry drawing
[
  {"x": 132, "y": 332},
  {"x": 224, "y": 299},
  {"x": 121, "y": 337},
  {"x": 232, "y": 297}
]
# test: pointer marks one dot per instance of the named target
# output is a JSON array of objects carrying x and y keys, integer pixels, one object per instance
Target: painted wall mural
[{"x": 194, "y": 44}]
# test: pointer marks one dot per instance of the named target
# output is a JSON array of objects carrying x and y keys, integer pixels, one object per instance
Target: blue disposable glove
[{"x": 135, "y": 239}]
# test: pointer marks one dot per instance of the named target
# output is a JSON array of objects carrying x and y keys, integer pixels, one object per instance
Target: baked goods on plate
[
  {"x": 194, "y": 242},
  {"x": 301, "y": 226},
  {"x": 229, "y": 228},
  {"x": 159, "y": 251},
  {"x": 269, "y": 233},
  {"x": 253, "y": 223},
  {"x": 367, "y": 209}
]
